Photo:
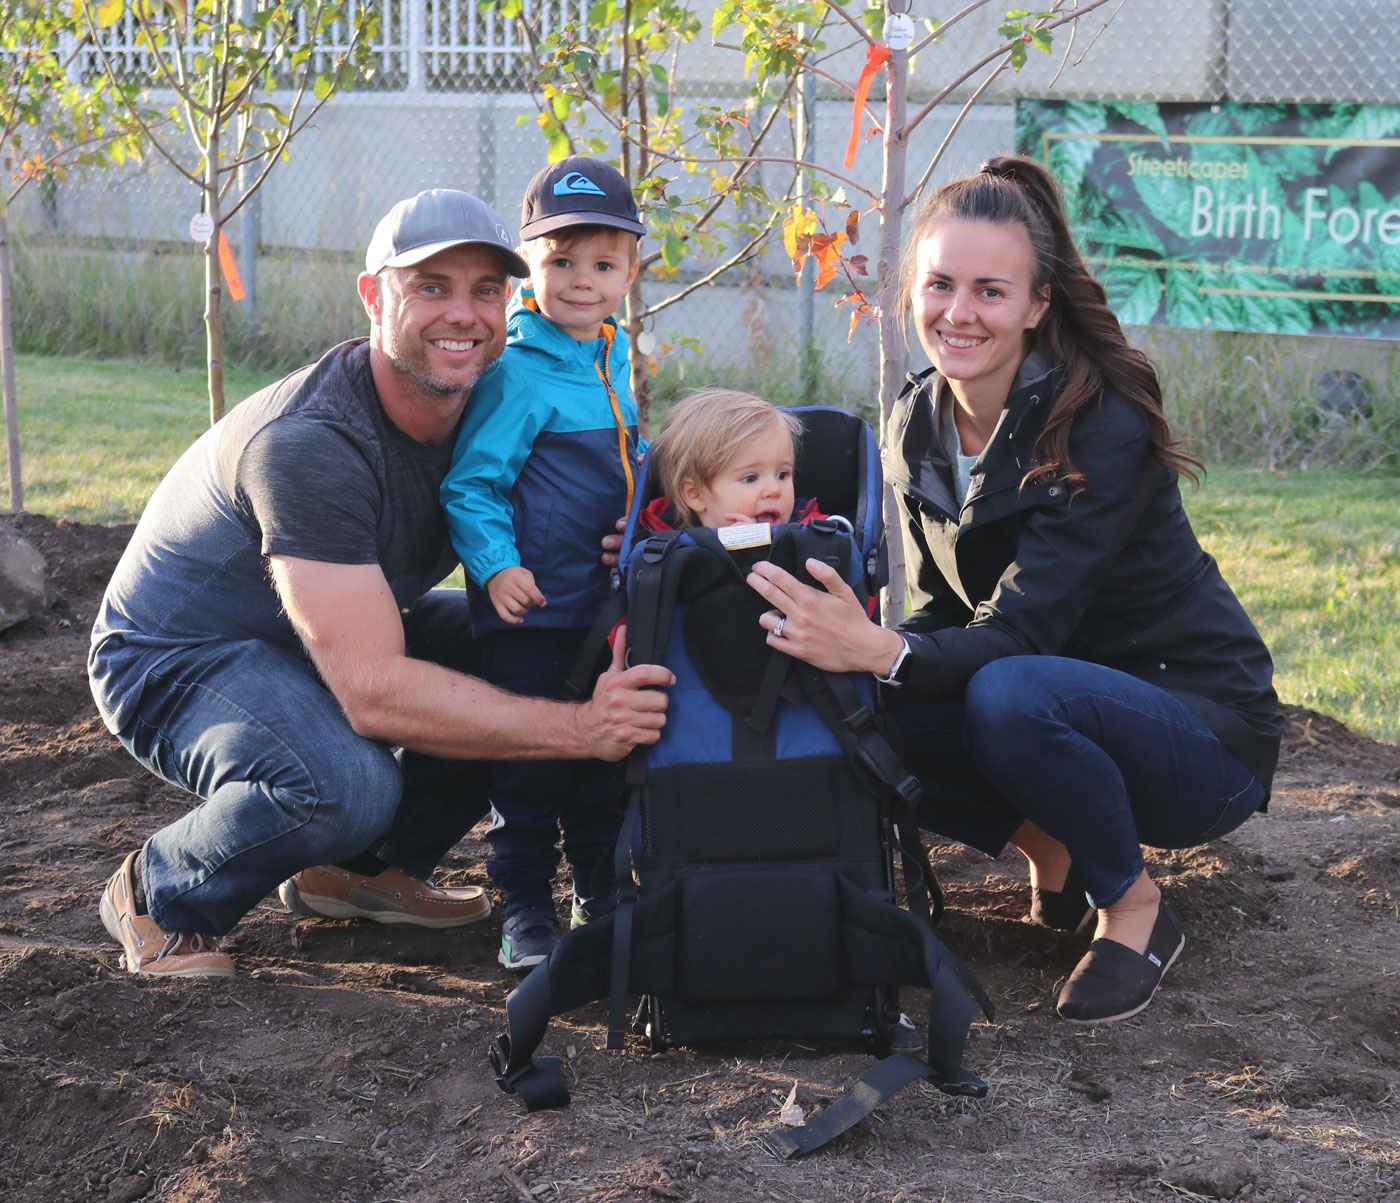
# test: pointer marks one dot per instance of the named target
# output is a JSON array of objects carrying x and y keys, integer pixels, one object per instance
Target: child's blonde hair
[{"x": 703, "y": 433}]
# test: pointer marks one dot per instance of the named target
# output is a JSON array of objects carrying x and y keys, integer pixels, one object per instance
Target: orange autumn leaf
[
  {"x": 826, "y": 250},
  {"x": 853, "y": 227},
  {"x": 798, "y": 227}
]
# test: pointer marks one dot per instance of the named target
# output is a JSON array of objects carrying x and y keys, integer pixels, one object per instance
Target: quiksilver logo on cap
[{"x": 575, "y": 183}]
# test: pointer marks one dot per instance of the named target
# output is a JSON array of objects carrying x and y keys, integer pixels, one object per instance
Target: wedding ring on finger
[{"x": 778, "y": 630}]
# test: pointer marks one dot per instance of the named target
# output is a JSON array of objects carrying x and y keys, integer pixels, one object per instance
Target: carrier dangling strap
[
  {"x": 954, "y": 993},
  {"x": 573, "y": 974},
  {"x": 921, "y": 888},
  {"x": 881, "y": 1081}
]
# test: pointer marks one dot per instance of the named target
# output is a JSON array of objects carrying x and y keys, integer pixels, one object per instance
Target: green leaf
[
  {"x": 1134, "y": 293},
  {"x": 672, "y": 251}
]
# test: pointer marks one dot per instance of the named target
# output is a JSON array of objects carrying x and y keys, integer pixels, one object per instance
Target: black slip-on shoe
[
  {"x": 1113, "y": 982},
  {"x": 1066, "y": 909}
]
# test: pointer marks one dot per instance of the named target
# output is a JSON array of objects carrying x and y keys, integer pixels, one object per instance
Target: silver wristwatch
[{"x": 899, "y": 670}]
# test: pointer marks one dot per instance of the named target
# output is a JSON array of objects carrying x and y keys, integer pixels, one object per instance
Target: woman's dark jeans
[{"x": 1096, "y": 758}]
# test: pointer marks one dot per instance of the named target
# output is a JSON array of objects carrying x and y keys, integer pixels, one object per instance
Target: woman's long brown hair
[{"x": 1078, "y": 330}]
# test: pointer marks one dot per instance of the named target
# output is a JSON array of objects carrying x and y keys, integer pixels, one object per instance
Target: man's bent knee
[{"x": 353, "y": 800}]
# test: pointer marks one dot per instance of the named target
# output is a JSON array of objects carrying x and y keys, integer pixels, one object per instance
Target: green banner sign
[{"x": 1281, "y": 219}]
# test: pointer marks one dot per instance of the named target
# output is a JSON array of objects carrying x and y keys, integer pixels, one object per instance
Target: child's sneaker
[
  {"x": 528, "y": 937},
  {"x": 587, "y": 909}
]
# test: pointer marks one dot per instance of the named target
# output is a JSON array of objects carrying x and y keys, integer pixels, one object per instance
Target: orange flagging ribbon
[
  {"x": 875, "y": 58},
  {"x": 231, "y": 276}
]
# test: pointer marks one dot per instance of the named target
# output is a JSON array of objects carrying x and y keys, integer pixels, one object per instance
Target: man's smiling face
[{"x": 441, "y": 323}]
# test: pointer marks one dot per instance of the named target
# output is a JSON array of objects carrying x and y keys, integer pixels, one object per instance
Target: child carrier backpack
[{"x": 755, "y": 867}]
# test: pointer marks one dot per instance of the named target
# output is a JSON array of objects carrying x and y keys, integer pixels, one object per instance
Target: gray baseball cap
[{"x": 419, "y": 227}]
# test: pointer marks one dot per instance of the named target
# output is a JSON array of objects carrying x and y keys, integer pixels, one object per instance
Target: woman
[{"x": 1076, "y": 677}]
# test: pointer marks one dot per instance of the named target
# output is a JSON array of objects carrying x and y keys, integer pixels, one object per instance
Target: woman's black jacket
[{"x": 1110, "y": 574}]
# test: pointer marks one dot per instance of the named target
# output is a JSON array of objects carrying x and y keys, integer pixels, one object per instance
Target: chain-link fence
[{"x": 105, "y": 265}]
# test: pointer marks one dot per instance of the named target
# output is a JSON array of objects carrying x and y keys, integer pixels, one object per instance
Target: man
[{"x": 269, "y": 635}]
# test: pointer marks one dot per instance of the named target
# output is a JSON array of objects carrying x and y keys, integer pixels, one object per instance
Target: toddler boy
[{"x": 543, "y": 467}]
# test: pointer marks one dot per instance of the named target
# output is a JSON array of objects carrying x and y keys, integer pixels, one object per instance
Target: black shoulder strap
[
  {"x": 651, "y": 605},
  {"x": 846, "y": 714},
  {"x": 591, "y": 651},
  {"x": 622, "y": 923}
]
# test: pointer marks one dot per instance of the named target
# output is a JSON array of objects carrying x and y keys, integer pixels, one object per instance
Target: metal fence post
[{"x": 417, "y": 46}]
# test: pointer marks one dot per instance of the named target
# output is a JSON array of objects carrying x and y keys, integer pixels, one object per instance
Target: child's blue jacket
[{"x": 544, "y": 466}]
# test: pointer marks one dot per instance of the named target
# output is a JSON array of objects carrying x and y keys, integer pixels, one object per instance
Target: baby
[{"x": 725, "y": 458}]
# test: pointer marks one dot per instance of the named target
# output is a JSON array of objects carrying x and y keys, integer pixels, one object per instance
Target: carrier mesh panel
[{"x": 788, "y": 810}]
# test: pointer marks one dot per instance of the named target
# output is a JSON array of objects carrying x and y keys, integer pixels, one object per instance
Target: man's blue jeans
[
  {"x": 285, "y": 782},
  {"x": 1096, "y": 758}
]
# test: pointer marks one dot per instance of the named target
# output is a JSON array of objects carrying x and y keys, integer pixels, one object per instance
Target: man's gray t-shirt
[{"x": 310, "y": 467}]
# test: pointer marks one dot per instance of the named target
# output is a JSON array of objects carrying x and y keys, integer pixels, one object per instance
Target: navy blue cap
[{"x": 578, "y": 191}]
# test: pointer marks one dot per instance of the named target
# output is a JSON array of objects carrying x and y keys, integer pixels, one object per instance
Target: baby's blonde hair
[{"x": 703, "y": 433}]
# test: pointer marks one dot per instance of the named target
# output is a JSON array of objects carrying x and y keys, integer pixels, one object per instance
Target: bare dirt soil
[{"x": 345, "y": 1062}]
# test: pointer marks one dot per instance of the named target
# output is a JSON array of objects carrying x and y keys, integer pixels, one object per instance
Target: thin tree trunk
[
  {"x": 7, "y": 360},
  {"x": 213, "y": 282},
  {"x": 635, "y": 308},
  {"x": 640, "y": 374},
  {"x": 892, "y": 355}
]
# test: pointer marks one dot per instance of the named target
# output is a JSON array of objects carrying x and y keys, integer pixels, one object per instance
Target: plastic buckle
[
  {"x": 910, "y": 792},
  {"x": 499, "y": 1055},
  {"x": 655, "y": 549},
  {"x": 859, "y": 720},
  {"x": 967, "y": 1085}
]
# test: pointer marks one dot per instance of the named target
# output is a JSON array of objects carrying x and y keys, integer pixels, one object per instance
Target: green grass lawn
[
  {"x": 96, "y": 436},
  {"x": 1314, "y": 556}
]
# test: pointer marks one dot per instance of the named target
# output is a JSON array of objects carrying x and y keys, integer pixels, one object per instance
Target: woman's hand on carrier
[
  {"x": 627, "y": 707},
  {"x": 826, "y": 627}
]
